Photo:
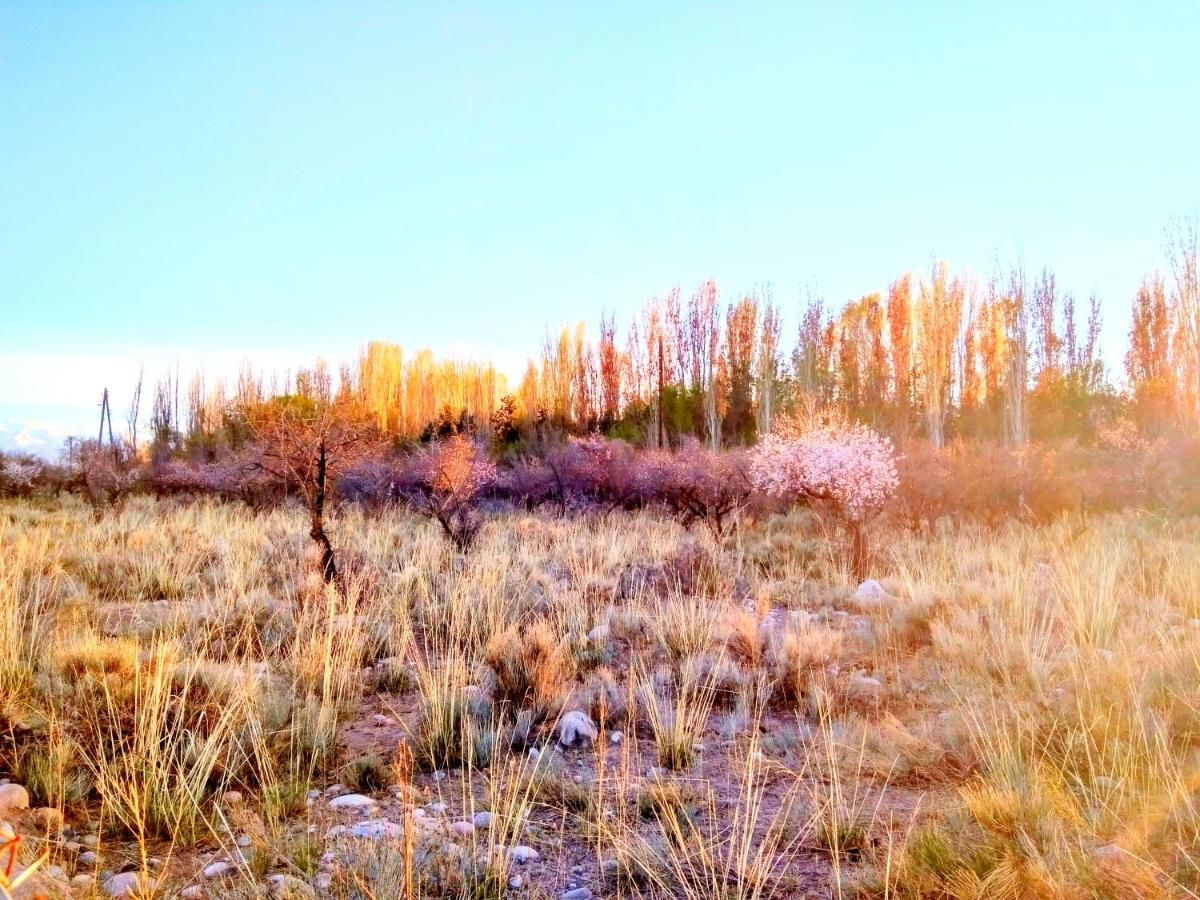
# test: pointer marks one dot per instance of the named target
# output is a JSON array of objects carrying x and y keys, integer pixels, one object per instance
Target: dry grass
[{"x": 1020, "y": 720}]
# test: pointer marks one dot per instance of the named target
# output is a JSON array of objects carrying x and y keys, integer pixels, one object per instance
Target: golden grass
[{"x": 1034, "y": 730}]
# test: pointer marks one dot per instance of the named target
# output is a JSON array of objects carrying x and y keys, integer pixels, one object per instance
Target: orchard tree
[
  {"x": 445, "y": 482},
  {"x": 305, "y": 443},
  {"x": 850, "y": 467}
]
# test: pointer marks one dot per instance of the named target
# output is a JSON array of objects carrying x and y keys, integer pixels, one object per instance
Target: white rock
[
  {"x": 576, "y": 727},
  {"x": 437, "y": 808},
  {"x": 377, "y": 829},
  {"x": 615, "y": 737},
  {"x": 88, "y": 858},
  {"x": 217, "y": 869},
  {"x": 581, "y": 893},
  {"x": 352, "y": 801},
  {"x": 866, "y": 689},
  {"x": 522, "y": 854},
  {"x": 482, "y": 819},
  {"x": 192, "y": 892},
  {"x": 463, "y": 829},
  {"x": 515, "y": 882},
  {"x": 13, "y": 798},
  {"x": 243, "y": 840},
  {"x": 232, "y": 798},
  {"x": 126, "y": 884},
  {"x": 83, "y": 881}
]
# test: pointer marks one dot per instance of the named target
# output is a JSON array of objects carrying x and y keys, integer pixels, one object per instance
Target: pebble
[
  {"x": 377, "y": 829},
  {"x": 463, "y": 829},
  {"x": 217, "y": 869},
  {"x": 232, "y": 798},
  {"x": 522, "y": 854},
  {"x": 90, "y": 840},
  {"x": 351, "y": 801},
  {"x": 482, "y": 819},
  {"x": 515, "y": 882},
  {"x": 439, "y": 775},
  {"x": 437, "y": 808},
  {"x": 577, "y": 894},
  {"x": 13, "y": 798},
  {"x": 323, "y": 882},
  {"x": 83, "y": 881},
  {"x": 192, "y": 892},
  {"x": 243, "y": 840},
  {"x": 88, "y": 858},
  {"x": 126, "y": 884},
  {"x": 615, "y": 737}
]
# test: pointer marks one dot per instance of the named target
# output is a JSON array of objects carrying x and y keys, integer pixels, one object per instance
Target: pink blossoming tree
[{"x": 848, "y": 467}]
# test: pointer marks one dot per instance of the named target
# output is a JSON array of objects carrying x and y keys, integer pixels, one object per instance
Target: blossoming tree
[{"x": 847, "y": 466}]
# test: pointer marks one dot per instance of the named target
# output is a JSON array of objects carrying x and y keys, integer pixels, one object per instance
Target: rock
[
  {"x": 437, "y": 808},
  {"x": 376, "y": 829},
  {"x": 243, "y": 840},
  {"x": 482, "y": 819},
  {"x": 83, "y": 882},
  {"x": 522, "y": 854},
  {"x": 88, "y": 858},
  {"x": 598, "y": 635},
  {"x": 13, "y": 798},
  {"x": 323, "y": 882},
  {"x": 90, "y": 840},
  {"x": 615, "y": 737},
  {"x": 49, "y": 818},
  {"x": 576, "y": 728},
  {"x": 192, "y": 892},
  {"x": 382, "y": 721},
  {"x": 7, "y": 832},
  {"x": 127, "y": 884},
  {"x": 439, "y": 775},
  {"x": 289, "y": 887},
  {"x": 871, "y": 593},
  {"x": 581, "y": 893},
  {"x": 515, "y": 882},
  {"x": 463, "y": 829},
  {"x": 232, "y": 798},
  {"x": 352, "y": 801},
  {"x": 865, "y": 689},
  {"x": 55, "y": 872},
  {"x": 218, "y": 869}
]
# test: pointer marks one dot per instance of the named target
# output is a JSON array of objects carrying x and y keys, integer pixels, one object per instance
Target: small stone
[
  {"x": 576, "y": 728},
  {"x": 381, "y": 720},
  {"x": 482, "y": 819},
  {"x": 515, "y": 882},
  {"x": 865, "y": 688},
  {"x": 615, "y": 737},
  {"x": 217, "y": 869},
  {"x": 439, "y": 775},
  {"x": 437, "y": 808},
  {"x": 127, "y": 884},
  {"x": 352, "y": 801},
  {"x": 55, "y": 872},
  {"x": 90, "y": 840},
  {"x": 522, "y": 854},
  {"x": 871, "y": 593},
  {"x": 83, "y": 881},
  {"x": 323, "y": 882},
  {"x": 577, "y": 894},
  {"x": 243, "y": 840},
  {"x": 290, "y": 887},
  {"x": 88, "y": 858},
  {"x": 13, "y": 798},
  {"x": 153, "y": 862},
  {"x": 463, "y": 829},
  {"x": 49, "y": 818},
  {"x": 192, "y": 892},
  {"x": 232, "y": 798},
  {"x": 377, "y": 829}
]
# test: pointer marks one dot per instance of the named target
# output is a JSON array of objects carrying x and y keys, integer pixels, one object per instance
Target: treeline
[{"x": 938, "y": 355}]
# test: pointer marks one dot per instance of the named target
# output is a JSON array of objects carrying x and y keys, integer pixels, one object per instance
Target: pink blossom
[{"x": 850, "y": 465}]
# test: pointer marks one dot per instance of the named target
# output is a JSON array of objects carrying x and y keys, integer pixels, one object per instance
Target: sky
[{"x": 195, "y": 184}]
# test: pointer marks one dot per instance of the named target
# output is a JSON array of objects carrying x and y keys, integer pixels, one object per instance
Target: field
[{"x": 1000, "y": 713}]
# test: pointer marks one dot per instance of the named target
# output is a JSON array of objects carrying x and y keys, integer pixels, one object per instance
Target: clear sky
[{"x": 207, "y": 181}]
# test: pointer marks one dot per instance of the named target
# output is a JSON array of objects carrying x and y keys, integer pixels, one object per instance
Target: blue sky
[{"x": 205, "y": 182}]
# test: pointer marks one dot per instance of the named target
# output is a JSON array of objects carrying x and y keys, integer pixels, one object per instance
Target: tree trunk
[
  {"x": 858, "y": 549},
  {"x": 317, "y": 531}
]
